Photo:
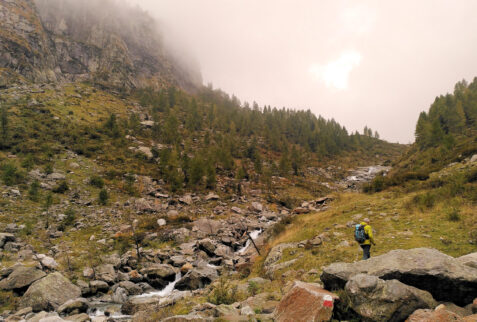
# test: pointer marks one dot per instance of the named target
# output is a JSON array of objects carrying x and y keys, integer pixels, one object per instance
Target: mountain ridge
[{"x": 44, "y": 42}]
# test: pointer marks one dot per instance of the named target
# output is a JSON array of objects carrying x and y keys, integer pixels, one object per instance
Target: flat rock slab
[
  {"x": 49, "y": 293},
  {"x": 21, "y": 277},
  {"x": 443, "y": 276}
]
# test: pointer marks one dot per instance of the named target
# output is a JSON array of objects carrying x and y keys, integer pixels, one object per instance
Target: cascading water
[
  {"x": 254, "y": 235},
  {"x": 166, "y": 291}
]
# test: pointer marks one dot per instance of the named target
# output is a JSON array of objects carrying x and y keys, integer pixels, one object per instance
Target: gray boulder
[
  {"x": 159, "y": 275},
  {"x": 5, "y": 238},
  {"x": 120, "y": 295},
  {"x": 21, "y": 277},
  {"x": 427, "y": 269},
  {"x": 98, "y": 286},
  {"x": 207, "y": 245},
  {"x": 469, "y": 260},
  {"x": 197, "y": 278},
  {"x": 49, "y": 293},
  {"x": 130, "y": 287},
  {"x": 106, "y": 273},
  {"x": 74, "y": 306},
  {"x": 377, "y": 300}
]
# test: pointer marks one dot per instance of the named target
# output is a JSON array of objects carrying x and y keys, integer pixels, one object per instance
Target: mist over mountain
[{"x": 106, "y": 42}]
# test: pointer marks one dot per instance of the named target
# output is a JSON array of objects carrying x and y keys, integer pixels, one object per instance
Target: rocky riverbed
[{"x": 121, "y": 286}]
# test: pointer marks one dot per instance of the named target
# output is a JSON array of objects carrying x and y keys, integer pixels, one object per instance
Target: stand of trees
[{"x": 449, "y": 116}]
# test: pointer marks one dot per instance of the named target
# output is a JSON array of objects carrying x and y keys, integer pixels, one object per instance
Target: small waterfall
[
  {"x": 254, "y": 235},
  {"x": 166, "y": 291}
]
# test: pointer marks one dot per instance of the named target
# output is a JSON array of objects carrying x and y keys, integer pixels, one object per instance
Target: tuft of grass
[
  {"x": 223, "y": 292},
  {"x": 453, "y": 214},
  {"x": 96, "y": 181}
]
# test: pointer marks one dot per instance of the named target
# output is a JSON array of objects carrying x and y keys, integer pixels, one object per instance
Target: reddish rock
[
  {"x": 305, "y": 302},
  {"x": 474, "y": 306},
  {"x": 440, "y": 315},
  {"x": 470, "y": 318}
]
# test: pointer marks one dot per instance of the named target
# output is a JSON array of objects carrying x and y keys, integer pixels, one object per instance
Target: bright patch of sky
[{"x": 335, "y": 74}]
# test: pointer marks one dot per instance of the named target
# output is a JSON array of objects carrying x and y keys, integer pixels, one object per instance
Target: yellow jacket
[{"x": 369, "y": 231}]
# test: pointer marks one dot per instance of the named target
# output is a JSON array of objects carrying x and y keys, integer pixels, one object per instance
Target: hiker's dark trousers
[{"x": 366, "y": 251}]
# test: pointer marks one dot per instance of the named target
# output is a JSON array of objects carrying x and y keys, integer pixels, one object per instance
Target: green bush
[
  {"x": 70, "y": 217},
  {"x": 281, "y": 226},
  {"x": 48, "y": 169},
  {"x": 34, "y": 191},
  {"x": 453, "y": 214},
  {"x": 377, "y": 185},
  {"x": 61, "y": 188},
  {"x": 11, "y": 175},
  {"x": 97, "y": 182},
  {"x": 253, "y": 288},
  {"x": 223, "y": 292},
  {"x": 28, "y": 162},
  {"x": 472, "y": 176},
  {"x": 103, "y": 197},
  {"x": 426, "y": 200}
]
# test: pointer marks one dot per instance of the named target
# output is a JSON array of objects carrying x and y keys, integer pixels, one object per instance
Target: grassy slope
[{"x": 399, "y": 221}]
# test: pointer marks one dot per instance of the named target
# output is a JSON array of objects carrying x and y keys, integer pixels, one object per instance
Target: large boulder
[
  {"x": 106, "y": 273},
  {"x": 98, "y": 287},
  {"x": 438, "y": 315},
  {"x": 377, "y": 300},
  {"x": 74, "y": 306},
  {"x": 197, "y": 278},
  {"x": 305, "y": 302},
  {"x": 5, "y": 238},
  {"x": 427, "y": 269},
  {"x": 21, "y": 277},
  {"x": 49, "y": 293},
  {"x": 469, "y": 260},
  {"x": 207, "y": 245},
  {"x": 207, "y": 226},
  {"x": 159, "y": 275}
]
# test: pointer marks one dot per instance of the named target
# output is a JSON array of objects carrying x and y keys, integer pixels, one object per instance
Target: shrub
[
  {"x": 281, "y": 226},
  {"x": 11, "y": 175},
  {"x": 472, "y": 176},
  {"x": 70, "y": 217},
  {"x": 426, "y": 200},
  {"x": 61, "y": 188},
  {"x": 286, "y": 201},
  {"x": 377, "y": 185},
  {"x": 97, "y": 182},
  {"x": 48, "y": 169},
  {"x": 253, "y": 288},
  {"x": 103, "y": 197},
  {"x": 453, "y": 214},
  {"x": 223, "y": 292},
  {"x": 34, "y": 191},
  {"x": 28, "y": 162}
]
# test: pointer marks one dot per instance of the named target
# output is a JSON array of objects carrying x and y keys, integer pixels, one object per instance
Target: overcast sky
[{"x": 374, "y": 63}]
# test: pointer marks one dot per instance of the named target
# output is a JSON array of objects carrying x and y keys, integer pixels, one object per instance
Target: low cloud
[{"x": 336, "y": 73}]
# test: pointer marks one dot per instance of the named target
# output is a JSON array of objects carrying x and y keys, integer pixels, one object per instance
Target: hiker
[{"x": 364, "y": 236}]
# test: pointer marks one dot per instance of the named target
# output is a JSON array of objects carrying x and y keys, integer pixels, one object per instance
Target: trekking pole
[
  {"x": 251, "y": 239},
  {"x": 254, "y": 245}
]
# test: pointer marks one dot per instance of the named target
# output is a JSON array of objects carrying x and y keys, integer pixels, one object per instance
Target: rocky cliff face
[{"x": 105, "y": 42}]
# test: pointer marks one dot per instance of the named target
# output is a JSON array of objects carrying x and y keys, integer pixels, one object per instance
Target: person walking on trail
[{"x": 364, "y": 236}]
